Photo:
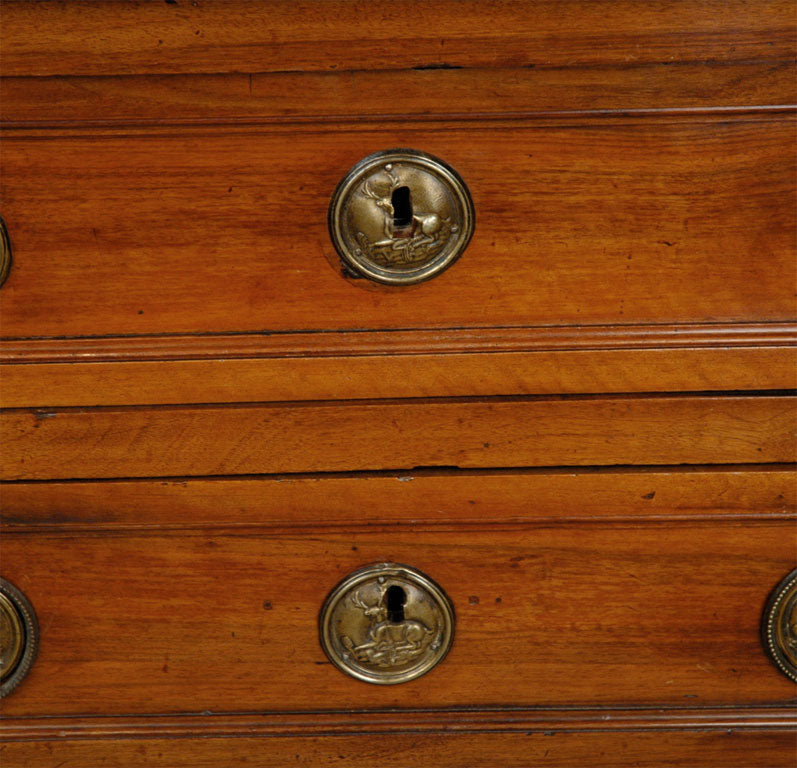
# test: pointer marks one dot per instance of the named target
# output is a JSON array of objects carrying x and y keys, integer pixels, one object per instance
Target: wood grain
[
  {"x": 179, "y": 331},
  {"x": 585, "y": 224},
  {"x": 302, "y": 366},
  {"x": 112, "y": 37},
  {"x": 653, "y": 614},
  {"x": 399, "y": 342},
  {"x": 727, "y": 748},
  {"x": 354, "y": 435},
  {"x": 417, "y": 500},
  {"x": 414, "y": 94},
  {"x": 381, "y": 723},
  {"x": 327, "y": 378}
]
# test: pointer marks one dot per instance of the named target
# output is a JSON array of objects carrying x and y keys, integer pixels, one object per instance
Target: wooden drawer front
[
  {"x": 239, "y": 36},
  {"x": 169, "y": 608},
  {"x": 647, "y": 221}
]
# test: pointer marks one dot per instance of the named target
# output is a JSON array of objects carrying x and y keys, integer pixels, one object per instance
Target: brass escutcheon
[
  {"x": 779, "y": 627},
  {"x": 5, "y": 252},
  {"x": 386, "y": 624},
  {"x": 19, "y": 637},
  {"x": 400, "y": 217}
]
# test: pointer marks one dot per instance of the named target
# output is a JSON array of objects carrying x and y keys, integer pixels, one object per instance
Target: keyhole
[
  {"x": 396, "y": 597},
  {"x": 402, "y": 207}
]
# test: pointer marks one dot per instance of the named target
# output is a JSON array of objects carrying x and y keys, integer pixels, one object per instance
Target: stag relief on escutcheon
[
  {"x": 387, "y": 624},
  {"x": 400, "y": 217},
  {"x": 420, "y": 231},
  {"x": 390, "y": 641}
]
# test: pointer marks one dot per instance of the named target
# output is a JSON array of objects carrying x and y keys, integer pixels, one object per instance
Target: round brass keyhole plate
[
  {"x": 386, "y": 624},
  {"x": 400, "y": 217},
  {"x": 19, "y": 637},
  {"x": 5, "y": 253},
  {"x": 779, "y": 628}
]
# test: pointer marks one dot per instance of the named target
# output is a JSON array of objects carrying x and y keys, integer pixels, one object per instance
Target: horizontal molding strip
[
  {"x": 419, "y": 499},
  {"x": 379, "y": 119},
  {"x": 421, "y": 721},
  {"x": 336, "y": 343},
  {"x": 267, "y": 530},
  {"x": 419, "y": 93},
  {"x": 441, "y": 123},
  {"x": 245, "y": 439},
  {"x": 401, "y": 364}
]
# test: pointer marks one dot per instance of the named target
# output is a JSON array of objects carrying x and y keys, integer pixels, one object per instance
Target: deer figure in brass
[
  {"x": 388, "y": 643},
  {"x": 423, "y": 228}
]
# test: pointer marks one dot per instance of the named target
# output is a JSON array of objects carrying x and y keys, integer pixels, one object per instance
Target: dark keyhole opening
[
  {"x": 402, "y": 207},
  {"x": 396, "y": 597}
]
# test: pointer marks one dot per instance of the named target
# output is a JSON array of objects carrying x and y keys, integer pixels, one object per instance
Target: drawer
[
  {"x": 568, "y": 452},
  {"x": 593, "y": 589},
  {"x": 615, "y": 222}
]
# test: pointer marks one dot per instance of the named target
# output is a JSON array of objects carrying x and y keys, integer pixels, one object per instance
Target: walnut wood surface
[
  {"x": 416, "y": 499},
  {"x": 613, "y": 222},
  {"x": 616, "y": 614},
  {"x": 112, "y": 37},
  {"x": 354, "y": 435},
  {"x": 730, "y": 748},
  {"x": 414, "y": 94}
]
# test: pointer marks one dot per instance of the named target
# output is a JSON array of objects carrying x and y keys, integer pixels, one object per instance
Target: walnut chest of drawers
[{"x": 555, "y": 420}]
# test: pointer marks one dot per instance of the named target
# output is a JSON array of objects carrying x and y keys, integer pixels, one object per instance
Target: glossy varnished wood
[
  {"x": 166, "y": 173},
  {"x": 615, "y": 222},
  {"x": 728, "y": 747},
  {"x": 411, "y": 499},
  {"x": 467, "y": 720},
  {"x": 550, "y": 338},
  {"x": 415, "y": 94},
  {"x": 353, "y": 435},
  {"x": 645, "y": 614},
  {"x": 42, "y": 38},
  {"x": 311, "y": 366},
  {"x": 391, "y": 376}
]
